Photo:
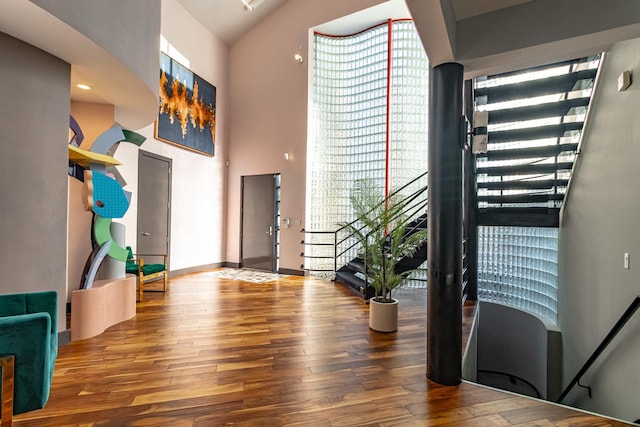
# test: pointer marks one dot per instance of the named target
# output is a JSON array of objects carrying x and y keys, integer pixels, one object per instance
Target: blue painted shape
[
  {"x": 109, "y": 199},
  {"x": 75, "y": 127},
  {"x": 94, "y": 261},
  {"x": 103, "y": 143}
]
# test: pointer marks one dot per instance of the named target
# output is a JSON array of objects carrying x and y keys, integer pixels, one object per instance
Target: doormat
[{"x": 246, "y": 275}]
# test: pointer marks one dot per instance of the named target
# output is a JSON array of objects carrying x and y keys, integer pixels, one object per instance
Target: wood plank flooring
[{"x": 295, "y": 352}]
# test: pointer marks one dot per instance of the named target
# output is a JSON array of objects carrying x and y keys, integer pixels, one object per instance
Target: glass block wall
[
  {"x": 409, "y": 107},
  {"x": 349, "y": 130},
  {"x": 518, "y": 266}
]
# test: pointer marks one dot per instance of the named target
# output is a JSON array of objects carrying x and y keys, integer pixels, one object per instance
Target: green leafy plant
[{"x": 381, "y": 232}]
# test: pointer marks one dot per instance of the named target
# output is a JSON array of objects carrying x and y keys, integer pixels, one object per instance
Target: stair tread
[
  {"x": 545, "y": 86},
  {"x": 529, "y": 152},
  {"x": 538, "y": 184},
  {"x": 538, "y": 111},
  {"x": 533, "y": 133},
  {"x": 525, "y": 169}
]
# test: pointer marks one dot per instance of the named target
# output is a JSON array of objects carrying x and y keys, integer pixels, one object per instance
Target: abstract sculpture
[{"x": 102, "y": 192}]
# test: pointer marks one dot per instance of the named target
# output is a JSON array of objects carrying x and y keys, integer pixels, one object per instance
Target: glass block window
[
  {"x": 354, "y": 101},
  {"x": 409, "y": 107},
  {"x": 518, "y": 266}
]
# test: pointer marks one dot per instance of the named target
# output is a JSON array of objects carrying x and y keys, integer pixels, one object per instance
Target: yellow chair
[{"x": 146, "y": 272}]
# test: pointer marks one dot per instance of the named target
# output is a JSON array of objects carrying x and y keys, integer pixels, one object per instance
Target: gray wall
[
  {"x": 601, "y": 221},
  {"x": 127, "y": 29},
  {"x": 470, "y": 356},
  {"x": 516, "y": 342},
  {"x": 34, "y": 121}
]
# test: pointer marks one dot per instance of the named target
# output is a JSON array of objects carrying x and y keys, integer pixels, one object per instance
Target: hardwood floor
[{"x": 297, "y": 351}]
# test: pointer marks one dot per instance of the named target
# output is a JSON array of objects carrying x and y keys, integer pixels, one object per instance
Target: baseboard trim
[
  {"x": 64, "y": 337},
  {"x": 200, "y": 268},
  {"x": 232, "y": 264},
  {"x": 196, "y": 269},
  {"x": 291, "y": 271}
]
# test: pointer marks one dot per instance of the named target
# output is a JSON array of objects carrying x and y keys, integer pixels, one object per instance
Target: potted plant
[{"x": 381, "y": 230}]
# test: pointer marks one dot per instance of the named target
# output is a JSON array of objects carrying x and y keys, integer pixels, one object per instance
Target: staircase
[
  {"x": 350, "y": 274},
  {"x": 535, "y": 120}
]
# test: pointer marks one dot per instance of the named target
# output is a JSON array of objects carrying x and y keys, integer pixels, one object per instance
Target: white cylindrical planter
[{"x": 383, "y": 316}]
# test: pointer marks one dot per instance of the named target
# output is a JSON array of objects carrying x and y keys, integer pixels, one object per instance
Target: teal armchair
[
  {"x": 136, "y": 265},
  {"x": 28, "y": 332}
]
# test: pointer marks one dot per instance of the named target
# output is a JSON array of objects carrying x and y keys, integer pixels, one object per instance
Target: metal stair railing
[
  {"x": 415, "y": 203},
  {"x": 626, "y": 316}
]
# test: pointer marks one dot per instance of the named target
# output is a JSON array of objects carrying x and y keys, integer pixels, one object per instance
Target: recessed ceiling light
[{"x": 83, "y": 86}]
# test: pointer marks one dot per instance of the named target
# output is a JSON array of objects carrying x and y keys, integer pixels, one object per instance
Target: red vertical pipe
[{"x": 387, "y": 166}]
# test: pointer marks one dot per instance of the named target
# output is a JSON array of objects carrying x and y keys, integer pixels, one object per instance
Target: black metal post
[
  {"x": 444, "y": 294},
  {"x": 470, "y": 199}
]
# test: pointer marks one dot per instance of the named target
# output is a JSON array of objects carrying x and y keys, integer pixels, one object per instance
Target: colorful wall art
[{"x": 187, "y": 113}]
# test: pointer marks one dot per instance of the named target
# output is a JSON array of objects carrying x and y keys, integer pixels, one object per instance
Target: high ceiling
[
  {"x": 229, "y": 19},
  {"x": 485, "y": 36}
]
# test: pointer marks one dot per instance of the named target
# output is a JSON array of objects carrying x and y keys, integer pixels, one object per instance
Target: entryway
[{"x": 260, "y": 222}]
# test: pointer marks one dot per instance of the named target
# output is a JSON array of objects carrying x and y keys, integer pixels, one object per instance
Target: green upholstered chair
[
  {"x": 29, "y": 336},
  {"x": 146, "y": 272}
]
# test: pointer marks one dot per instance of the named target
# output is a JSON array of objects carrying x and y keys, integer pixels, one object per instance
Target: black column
[{"x": 444, "y": 306}]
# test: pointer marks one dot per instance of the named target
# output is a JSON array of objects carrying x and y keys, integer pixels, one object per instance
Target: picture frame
[{"x": 187, "y": 108}]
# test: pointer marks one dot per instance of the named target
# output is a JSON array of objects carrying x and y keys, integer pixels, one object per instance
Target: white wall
[
  {"x": 601, "y": 223},
  {"x": 199, "y": 186},
  {"x": 269, "y": 108}
]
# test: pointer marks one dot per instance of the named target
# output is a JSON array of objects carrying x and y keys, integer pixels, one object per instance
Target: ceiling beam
[
  {"x": 523, "y": 35},
  {"x": 436, "y": 24},
  {"x": 543, "y": 31}
]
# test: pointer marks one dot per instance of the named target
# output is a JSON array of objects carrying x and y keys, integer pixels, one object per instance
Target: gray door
[
  {"x": 154, "y": 198},
  {"x": 259, "y": 222}
]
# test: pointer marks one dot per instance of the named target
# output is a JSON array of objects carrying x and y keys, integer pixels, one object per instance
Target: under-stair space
[{"x": 535, "y": 119}]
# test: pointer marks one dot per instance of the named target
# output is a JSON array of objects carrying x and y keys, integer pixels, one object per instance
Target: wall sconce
[
  {"x": 298, "y": 58},
  {"x": 287, "y": 156}
]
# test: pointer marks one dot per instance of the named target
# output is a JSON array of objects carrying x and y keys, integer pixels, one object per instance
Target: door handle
[
  {"x": 270, "y": 232},
  {"x": 144, "y": 233}
]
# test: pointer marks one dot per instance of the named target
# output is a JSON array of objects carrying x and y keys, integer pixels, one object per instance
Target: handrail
[
  {"x": 512, "y": 376},
  {"x": 393, "y": 193},
  {"x": 414, "y": 203},
  {"x": 633, "y": 307},
  {"x": 583, "y": 134}
]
